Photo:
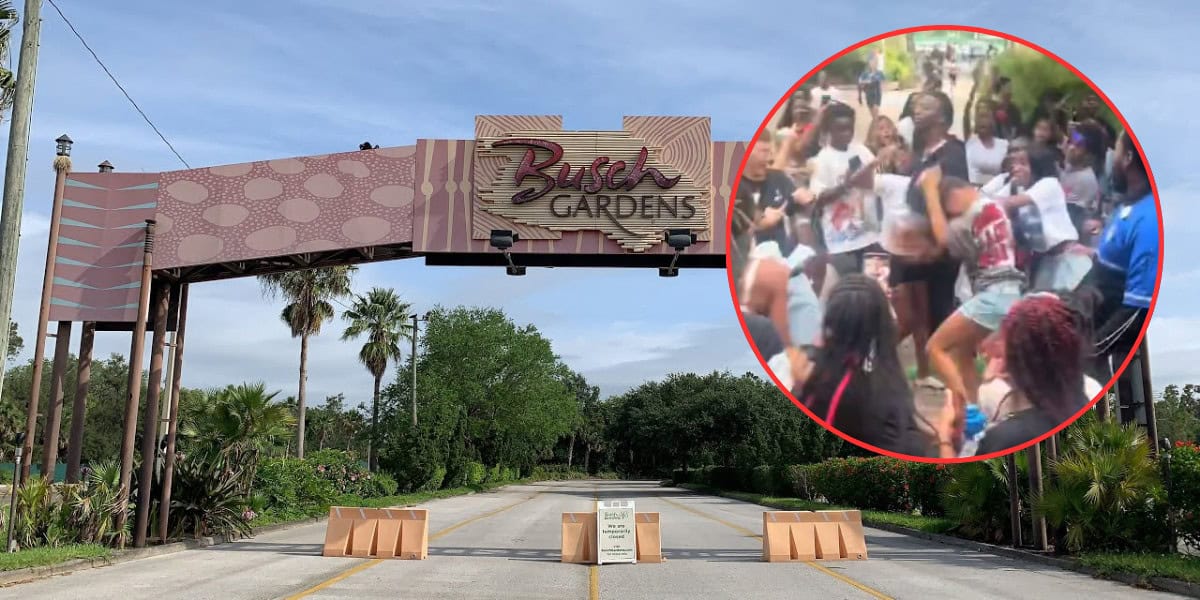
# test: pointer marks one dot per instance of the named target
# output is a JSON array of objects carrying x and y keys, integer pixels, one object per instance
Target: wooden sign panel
[{"x": 615, "y": 182}]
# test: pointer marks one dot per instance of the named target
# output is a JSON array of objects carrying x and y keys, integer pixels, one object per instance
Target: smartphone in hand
[{"x": 878, "y": 266}]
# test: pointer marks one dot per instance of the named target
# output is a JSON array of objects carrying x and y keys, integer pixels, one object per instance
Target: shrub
[
  {"x": 379, "y": 485},
  {"x": 294, "y": 486},
  {"x": 206, "y": 498},
  {"x": 1183, "y": 462},
  {"x": 871, "y": 483},
  {"x": 764, "y": 480},
  {"x": 343, "y": 469},
  {"x": 1105, "y": 490},
  {"x": 476, "y": 473},
  {"x": 925, "y": 483},
  {"x": 435, "y": 480},
  {"x": 795, "y": 482},
  {"x": 495, "y": 474},
  {"x": 976, "y": 498}
]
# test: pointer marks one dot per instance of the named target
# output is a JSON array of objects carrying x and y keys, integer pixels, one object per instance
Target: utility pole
[
  {"x": 14, "y": 174},
  {"x": 416, "y": 321}
]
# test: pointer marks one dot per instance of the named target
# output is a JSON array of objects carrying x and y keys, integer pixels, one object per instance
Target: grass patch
[
  {"x": 1144, "y": 566},
  {"x": 870, "y": 517},
  {"x": 40, "y": 557}
]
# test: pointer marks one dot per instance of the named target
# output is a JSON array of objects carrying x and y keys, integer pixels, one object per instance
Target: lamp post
[
  {"x": 62, "y": 164},
  {"x": 416, "y": 319}
]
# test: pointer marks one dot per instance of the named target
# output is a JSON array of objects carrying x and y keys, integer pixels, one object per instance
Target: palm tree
[
  {"x": 8, "y": 80},
  {"x": 236, "y": 427},
  {"x": 308, "y": 294},
  {"x": 384, "y": 318}
]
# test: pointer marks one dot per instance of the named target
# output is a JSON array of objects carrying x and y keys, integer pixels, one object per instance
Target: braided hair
[
  {"x": 1046, "y": 342},
  {"x": 859, "y": 335}
]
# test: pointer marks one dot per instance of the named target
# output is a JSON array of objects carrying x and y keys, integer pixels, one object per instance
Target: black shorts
[
  {"x": 940, "y": 276},
  {"x": 853, "y": 261}
]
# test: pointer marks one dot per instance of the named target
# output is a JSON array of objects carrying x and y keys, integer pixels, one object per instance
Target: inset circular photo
[{"x": 945, "y": 244}]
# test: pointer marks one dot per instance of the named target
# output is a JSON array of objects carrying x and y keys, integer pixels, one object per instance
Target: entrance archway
[{"x": 523, "y": 193}]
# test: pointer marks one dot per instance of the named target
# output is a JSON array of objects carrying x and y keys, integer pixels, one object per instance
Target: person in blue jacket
[{"x": 1126, "y": 269}]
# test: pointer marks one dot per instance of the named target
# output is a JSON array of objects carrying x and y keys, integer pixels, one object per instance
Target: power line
[{"x": 118, "y": 84}]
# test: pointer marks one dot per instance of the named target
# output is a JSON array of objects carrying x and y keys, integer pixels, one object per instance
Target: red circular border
[{"x": 766, "y": 122}]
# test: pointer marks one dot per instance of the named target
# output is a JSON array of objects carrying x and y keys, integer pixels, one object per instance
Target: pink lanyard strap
[{"x": 837, "y": 397}]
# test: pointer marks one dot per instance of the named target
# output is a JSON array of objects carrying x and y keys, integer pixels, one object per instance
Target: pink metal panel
[
  {"x": 99, "y": 262},
  {"x": 288, "y": 206}
]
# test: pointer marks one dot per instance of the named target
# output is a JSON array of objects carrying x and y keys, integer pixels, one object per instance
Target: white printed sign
[{"x": 616, "y": 532}]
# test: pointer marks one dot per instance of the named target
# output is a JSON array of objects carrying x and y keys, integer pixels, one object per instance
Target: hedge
[{"x": 875, "y": 483}]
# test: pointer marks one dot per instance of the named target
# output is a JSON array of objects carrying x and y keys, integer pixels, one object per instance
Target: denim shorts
[{"x": 988, "y": 307}]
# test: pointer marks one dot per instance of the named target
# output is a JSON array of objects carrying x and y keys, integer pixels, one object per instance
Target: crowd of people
[{"x": 1020, "y": 256}]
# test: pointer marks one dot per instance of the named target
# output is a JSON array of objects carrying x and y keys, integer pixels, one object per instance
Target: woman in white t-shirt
[
  {"x": 985, "y": 151},
  {"x": 1042, "y": 224}
]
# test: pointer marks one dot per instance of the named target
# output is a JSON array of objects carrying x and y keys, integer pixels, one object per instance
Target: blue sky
[{"x": 231, "y": 81}]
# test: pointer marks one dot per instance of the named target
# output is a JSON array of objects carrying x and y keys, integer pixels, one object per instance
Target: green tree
[
  {"x": 492, "y": 392},
  {"x": 1178, "y": 413},
  {"x": 383, "y": 318},
  {"x": 333, "y": 425},
  {"x": 586, "y": 395},
  {"x": 309, "y": 295},
  {"x": 15, "y": 343}
]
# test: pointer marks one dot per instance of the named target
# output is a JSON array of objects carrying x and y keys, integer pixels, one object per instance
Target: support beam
[
  {"x": 83, "y": 377},
  {"x": 1148, "y": 394},
  {"x": 162, "y": 301},
  {"x": 39, "y": 346},
  {"x": 133, "y": 394},
  {"x": 58, "y": 373},
  {"x": 1014, "y": 498},
  {"x": 164, "y": 505},
  {"x": 1034, "y": 455}
]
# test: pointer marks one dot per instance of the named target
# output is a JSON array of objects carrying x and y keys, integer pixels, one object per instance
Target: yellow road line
[
  {"x": 594, "y": 570},
  {"x": 373, "y": 562},
  {"x": 748, "y": 533}
]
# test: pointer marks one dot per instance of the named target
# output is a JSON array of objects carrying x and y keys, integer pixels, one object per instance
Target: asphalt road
[{"x": 505, "y": 544}]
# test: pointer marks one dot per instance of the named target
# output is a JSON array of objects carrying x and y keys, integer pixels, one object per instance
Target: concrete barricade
[
  {"x": 579, "y": 538},
  {"x": 401, "y": 533},
  {"x": 807, "y": 535}
]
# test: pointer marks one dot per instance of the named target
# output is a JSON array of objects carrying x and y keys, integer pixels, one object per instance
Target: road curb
[{"x": 1165, "y": 584}]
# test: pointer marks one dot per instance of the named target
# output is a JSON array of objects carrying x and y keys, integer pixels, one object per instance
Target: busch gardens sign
[{"x": 605, "y": 181}]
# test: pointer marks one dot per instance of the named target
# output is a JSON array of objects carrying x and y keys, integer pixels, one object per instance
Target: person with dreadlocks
[
  {"x": 1044, "y": 346},
  {"x": 856, "y": 383}
]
